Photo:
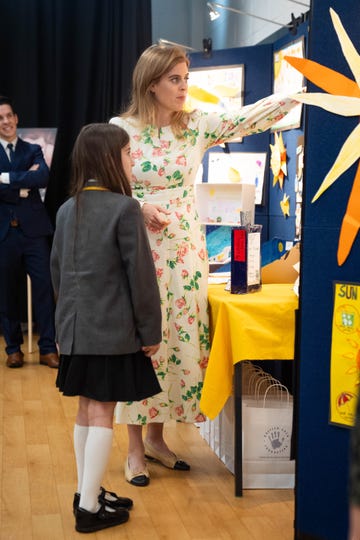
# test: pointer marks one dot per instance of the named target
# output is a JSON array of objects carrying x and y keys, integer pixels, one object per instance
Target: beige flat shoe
[
  {"x": 138, "y": 478},
  {"x": 171, "y": 462}
]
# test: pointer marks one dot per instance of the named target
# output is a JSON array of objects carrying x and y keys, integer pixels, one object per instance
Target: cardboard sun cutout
[
  {"x": 278, "y": 160},
  {"x": 343, "y": 98}
]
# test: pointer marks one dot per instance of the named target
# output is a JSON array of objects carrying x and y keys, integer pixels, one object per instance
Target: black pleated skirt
[{"x": 127, "y": 377}]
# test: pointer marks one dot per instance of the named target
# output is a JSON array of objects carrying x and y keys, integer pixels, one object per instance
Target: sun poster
[{"x": 345, "y": 354}]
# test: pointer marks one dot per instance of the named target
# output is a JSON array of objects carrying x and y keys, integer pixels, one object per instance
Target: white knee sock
[
  {"x": 80, "y": 436},
  {"x": 97, "y": 452}
]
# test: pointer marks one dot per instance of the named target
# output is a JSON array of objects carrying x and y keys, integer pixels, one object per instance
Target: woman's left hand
[{"x": 155, "y": 217}]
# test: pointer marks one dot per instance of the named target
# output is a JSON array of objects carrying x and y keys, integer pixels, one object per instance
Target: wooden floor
[{"x": 38, "y": 476}]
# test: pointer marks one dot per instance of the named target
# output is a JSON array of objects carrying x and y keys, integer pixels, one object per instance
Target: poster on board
[
  {"x": 238, "y": 168},
  {"x": 217, "y": 88},
  {"x": 287, "y": 80},
  {"x": 45, "y": 137},
  {"x": 345, "y": 354}
]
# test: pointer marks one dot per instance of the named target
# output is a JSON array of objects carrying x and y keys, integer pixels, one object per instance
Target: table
[{"x": 253, "y": 326}]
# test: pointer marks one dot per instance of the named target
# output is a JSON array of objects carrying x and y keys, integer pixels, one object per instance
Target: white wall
[
  {"x": 181, "y": 21},
  {"x": 187, "y": 21}
]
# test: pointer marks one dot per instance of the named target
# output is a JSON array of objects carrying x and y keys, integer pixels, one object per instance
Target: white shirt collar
[{"x": 5, "y": 143}]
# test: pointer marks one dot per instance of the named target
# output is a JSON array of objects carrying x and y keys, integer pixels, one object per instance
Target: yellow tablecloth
[{"x": 253, "y": 326}]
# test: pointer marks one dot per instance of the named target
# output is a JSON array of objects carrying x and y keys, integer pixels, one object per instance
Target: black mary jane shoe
[
  {"x": 87, "y": 522},
  {"x": 115, "y": 503}
]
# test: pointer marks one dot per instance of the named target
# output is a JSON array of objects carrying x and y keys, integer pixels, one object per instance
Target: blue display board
[
  {"x": 321, "y": 506},
  {"x": 322, "y": 450}
]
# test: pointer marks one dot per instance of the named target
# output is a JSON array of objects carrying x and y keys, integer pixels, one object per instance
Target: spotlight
[
  {"x": 207, "y": 47},
  {"x": 213, "y": 14}
]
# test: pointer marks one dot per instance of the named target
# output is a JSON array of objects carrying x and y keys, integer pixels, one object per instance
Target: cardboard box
[
  {"x": 282, "y": 270},
  {"x": 221, "y": 204}
]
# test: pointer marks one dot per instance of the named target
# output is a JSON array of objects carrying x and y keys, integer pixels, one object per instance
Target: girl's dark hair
[{"x": 97, "y": 155}]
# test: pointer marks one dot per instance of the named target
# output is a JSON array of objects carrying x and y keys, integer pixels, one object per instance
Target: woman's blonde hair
[{"x": 153, "y": 64}]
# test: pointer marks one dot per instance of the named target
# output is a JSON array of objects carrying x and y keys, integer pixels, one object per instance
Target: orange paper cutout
[
  {"x": 351, "y": 222},
  {"x": 337, "y": 84},
  {"x": 329, "y": 80}
]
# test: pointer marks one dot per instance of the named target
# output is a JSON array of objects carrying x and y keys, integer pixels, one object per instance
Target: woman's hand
[
  {"x": 155, "y": 217},
  {"x": 149, "y": 350}
]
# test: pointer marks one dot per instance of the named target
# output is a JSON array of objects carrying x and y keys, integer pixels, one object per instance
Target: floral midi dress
[{"x": 164, "y": 174}]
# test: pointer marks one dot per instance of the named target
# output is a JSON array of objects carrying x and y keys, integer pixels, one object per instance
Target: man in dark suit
[{"x": 24, "y": 230}]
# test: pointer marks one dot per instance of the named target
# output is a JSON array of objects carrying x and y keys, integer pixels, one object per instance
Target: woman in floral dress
[{"x": 168, "y": 145}]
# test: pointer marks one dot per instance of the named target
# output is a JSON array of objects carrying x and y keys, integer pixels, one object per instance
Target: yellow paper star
[
  {"x": 343, "y": 98},
  {"x": 285, "y": 205},
  {"x": 278, "y": 160}
]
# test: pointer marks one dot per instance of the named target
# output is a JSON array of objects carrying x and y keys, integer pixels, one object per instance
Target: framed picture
[
  {"x": 216, "y": 89},
  {"x": 45, "y": 137},
  {"x": 238, "y": 168},
  {"x": 287, "y": 80}
]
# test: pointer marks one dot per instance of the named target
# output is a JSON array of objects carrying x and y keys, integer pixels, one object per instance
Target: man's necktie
[{"x": 11, "y": 151}]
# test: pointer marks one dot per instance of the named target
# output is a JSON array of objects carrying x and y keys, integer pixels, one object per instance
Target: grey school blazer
[{"x": 104, "y": 277}]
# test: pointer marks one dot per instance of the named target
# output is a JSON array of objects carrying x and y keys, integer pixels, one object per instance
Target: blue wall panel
[
  {"x": 322, "y": 449},
  {"x": 322, "y": 456},
  {"x": 258, "y": 64}
]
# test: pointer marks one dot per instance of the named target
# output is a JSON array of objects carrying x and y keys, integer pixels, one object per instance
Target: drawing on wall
[
  {"x": 287, "y": 80},
  {"x": 218, "y": 244},
  {"x": 345, "y": 352},
  {"x": 218, "y": 89},
  {"x": 239, "y": 168},
  {"x": 299, "y": 185}
]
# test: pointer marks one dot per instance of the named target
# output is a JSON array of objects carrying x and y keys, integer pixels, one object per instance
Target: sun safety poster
[{"x": 345, "y": 354}]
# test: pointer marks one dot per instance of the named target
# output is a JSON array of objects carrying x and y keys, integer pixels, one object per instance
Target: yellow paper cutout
[
  {"x": 278, "y": 160},
  {"x": 285, "y": 205},
  {"x": 347, "y": 47},
  {"x": 344, "y": 105},
  {"x": 339, "y": 86},
  {"x": 349, "y": 153}
]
